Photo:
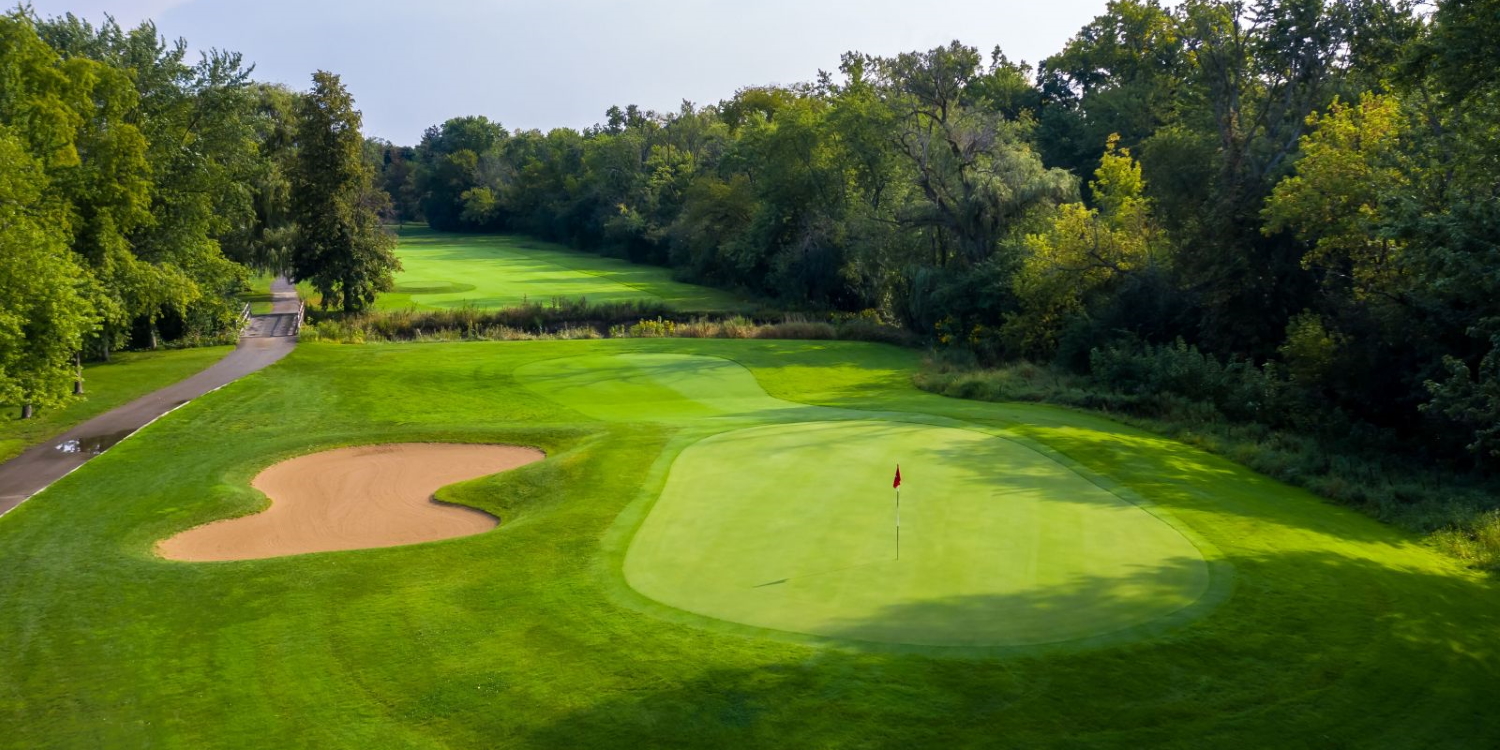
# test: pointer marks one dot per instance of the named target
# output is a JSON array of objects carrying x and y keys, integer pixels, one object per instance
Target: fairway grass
[
  {"x": 444, "y": 270},
  {"x": 653, "y": 387},
  {"x": 1329, "y": 630}
]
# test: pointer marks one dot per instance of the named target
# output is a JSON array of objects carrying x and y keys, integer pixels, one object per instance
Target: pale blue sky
[{"x": 545, "y": 64}]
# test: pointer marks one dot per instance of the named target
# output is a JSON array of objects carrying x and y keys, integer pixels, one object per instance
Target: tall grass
[{"x": 578, "y": 319}]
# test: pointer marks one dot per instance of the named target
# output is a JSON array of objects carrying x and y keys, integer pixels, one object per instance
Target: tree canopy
[{"x": 138, "y": 190}]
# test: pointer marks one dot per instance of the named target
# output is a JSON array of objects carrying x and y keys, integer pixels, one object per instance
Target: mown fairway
[
  {"x": 1299, "y": 625},
  {"x": 442, "y": 270}
]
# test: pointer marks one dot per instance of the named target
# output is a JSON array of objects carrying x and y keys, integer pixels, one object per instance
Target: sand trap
[{"x": 354, "y": 498}]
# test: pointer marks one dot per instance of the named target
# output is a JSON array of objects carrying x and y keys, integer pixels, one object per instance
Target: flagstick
[{"x": 898, "y": 523}]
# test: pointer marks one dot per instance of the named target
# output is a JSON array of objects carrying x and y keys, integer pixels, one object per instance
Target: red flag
[{"x": 897, "y": 484}]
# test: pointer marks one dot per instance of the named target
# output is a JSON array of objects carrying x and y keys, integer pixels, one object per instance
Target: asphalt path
[{"x": 265, "y": 340}]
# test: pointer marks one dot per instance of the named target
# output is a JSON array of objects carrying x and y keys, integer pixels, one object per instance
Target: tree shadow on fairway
[
  {"x": 1315, "y": 650},
  {"x": 1133, "y": 603}
]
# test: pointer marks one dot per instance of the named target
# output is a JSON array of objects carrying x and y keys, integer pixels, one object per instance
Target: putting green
[
  {"x": 652, "y": 387},
  {"x": 791, "y": 527}
]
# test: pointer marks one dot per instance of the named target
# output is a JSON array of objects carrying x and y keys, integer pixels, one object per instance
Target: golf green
[
  {"x": 793, "y": 527},
  {"x": 442, "y": 270}
]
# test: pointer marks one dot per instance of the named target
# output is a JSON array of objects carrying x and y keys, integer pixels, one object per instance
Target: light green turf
[
  {"x": 443, "y": 270},
  {"x": 792, "y": 527},
  {"x": 259, "y": 294},
  {"x": 1336, "y": 631},
  {"x": 653, "y": 387}
]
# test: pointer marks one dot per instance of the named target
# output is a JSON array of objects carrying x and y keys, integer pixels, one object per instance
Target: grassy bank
[
  {"x": 128, "y": 376},
  {"x": 1459, "y": 513}
]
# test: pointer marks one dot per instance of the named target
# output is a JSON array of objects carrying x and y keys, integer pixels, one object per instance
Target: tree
[
  {"x": 1083, "y": 252},
  {"x": 1350, "y": 164},
  {"x": 44, "y": 310},
  {"x": 1119, "y": 75},
  {"x": 265, "y": 242},
  {"x": 449, "y": 158},
  {"x": 340, "y": 247},
  {"x": 975, "y": 171},
  {"x": 168, "y": 148}
]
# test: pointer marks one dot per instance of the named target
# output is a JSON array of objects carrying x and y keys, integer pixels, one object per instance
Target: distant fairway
[
  {"x": 792, "y": 527},
  {"x": 442, "y": 270}
]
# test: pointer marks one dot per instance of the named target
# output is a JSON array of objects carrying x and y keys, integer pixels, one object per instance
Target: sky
[{"x": 562, "y": 63}]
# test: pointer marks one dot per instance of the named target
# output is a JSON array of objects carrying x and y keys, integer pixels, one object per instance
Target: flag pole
[{"x": 896, "y": 485}]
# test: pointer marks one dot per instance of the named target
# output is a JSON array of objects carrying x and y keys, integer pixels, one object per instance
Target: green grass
[
  {"x": 442, "y": 270},
  {"x": 259, "y": 295},
  {"x": 1333, "y": 631},
  {"x": 128, "y": 376},
  {"x": 790, "y": 527}
]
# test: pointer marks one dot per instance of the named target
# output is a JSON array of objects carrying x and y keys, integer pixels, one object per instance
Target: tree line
[
  {"x": 139, "y": 190},
  {"x": 1301, "y": 190}
]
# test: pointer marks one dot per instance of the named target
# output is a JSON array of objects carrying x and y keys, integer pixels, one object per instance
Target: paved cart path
[{"x": 265, "y": 340}]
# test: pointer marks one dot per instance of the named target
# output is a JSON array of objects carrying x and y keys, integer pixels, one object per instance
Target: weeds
[{"x": 563, "y": 319}]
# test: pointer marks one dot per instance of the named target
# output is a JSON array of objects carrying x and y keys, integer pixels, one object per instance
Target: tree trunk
[
  {"x": 26, "y": 411},
  {"x": 78, "y": 373}
]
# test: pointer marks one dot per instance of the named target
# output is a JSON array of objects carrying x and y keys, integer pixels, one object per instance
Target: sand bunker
[{"x": 354, "y": 498}]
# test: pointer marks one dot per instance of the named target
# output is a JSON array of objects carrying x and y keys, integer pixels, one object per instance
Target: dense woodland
[
  {"x": 1285, "y": 210},
  {"x": 138, "y": 190}
]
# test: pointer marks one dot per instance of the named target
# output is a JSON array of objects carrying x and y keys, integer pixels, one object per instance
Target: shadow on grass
[
  {"x": 1133, "y": 603},
  {"x": 1319, "y": 651}
]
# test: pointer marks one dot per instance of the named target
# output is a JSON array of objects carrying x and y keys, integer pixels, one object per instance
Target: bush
[{"x": 1237, "y": 388}]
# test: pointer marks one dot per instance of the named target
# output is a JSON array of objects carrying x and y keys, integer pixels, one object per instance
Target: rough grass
[
  {"x": 580, "y": 319},
  {"x": 1459, "y": 514},
  {"x": 1340, "y": 632},
  {"x": 128, "y": 376}
]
